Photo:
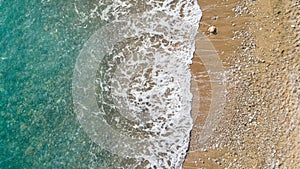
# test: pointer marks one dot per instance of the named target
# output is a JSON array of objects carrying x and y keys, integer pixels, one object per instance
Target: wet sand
[{"x": 258, "y": 126}]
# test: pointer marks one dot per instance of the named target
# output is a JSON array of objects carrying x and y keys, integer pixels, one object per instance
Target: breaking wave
[{"x": 131, "y": 83}]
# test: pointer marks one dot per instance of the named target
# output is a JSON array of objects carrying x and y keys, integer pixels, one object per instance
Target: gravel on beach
[{"x": 260, "y": 125}]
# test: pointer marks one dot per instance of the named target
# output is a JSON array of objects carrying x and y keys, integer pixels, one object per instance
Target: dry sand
[{"x": 258, "y": 126}]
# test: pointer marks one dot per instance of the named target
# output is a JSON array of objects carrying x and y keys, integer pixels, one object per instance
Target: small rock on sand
[{"x": 212, "y": 30}]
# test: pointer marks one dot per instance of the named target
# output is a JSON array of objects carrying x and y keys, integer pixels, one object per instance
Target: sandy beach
[{"x": 257, "y": 123}]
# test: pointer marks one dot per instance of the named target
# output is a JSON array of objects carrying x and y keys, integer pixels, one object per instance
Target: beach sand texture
[{"x": 258, "y": 45}]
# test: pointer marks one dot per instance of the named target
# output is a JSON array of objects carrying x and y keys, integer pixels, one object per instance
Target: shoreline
[{"x": 257, "y": 43}]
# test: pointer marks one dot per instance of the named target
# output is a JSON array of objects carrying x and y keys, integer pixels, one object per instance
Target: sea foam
[{"x": 131, "y": 84}]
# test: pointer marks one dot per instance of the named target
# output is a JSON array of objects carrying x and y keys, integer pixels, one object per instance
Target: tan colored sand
[{"x": 260, "y": 124}]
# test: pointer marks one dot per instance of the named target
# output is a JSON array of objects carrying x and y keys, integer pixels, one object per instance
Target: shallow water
[{"x": 41, "y": 42}]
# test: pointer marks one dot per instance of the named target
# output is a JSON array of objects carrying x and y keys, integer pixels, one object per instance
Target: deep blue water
[{"x": 39, "y": 44}]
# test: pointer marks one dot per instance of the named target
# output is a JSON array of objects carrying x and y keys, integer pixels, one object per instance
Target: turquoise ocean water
[{"x": 39, "y": 44}]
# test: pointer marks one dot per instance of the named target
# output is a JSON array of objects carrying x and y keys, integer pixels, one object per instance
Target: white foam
[{"x": 131, "y": 83}]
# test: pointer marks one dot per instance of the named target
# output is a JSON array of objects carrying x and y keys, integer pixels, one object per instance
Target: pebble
[
  {"x": 215, "y": 17},
  {"x": 212, "y": 30}
]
